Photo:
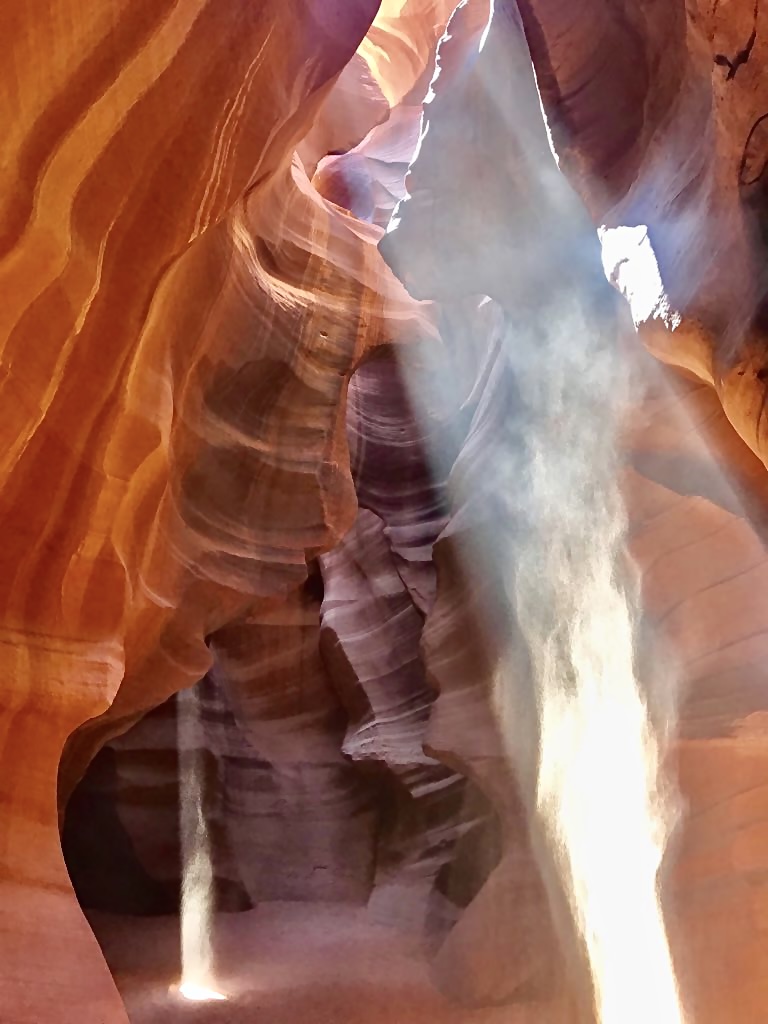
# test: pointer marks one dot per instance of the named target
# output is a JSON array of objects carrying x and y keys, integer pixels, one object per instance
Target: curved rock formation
[
  {"x": 674, "y": 145},
  {"x": 131, "y": 274},
  {"x": 238, "y": 451}
]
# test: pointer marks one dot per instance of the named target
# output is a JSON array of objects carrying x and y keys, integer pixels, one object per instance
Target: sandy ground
[{"x": 288, "y": 964}]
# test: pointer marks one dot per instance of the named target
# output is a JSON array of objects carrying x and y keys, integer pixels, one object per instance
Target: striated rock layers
[
  {"x": 237, "y": 450},
  {"x": 175, "y": 357}
]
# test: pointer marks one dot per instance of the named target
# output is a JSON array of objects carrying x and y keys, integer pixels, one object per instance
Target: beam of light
[
  {"x": 597, "y": 794},
  {"x": 575, "y": 720},
  {"x": 197, "y": 971},
  {"x": 601, "y": 808},
  {"x": 599, "y": 802}
]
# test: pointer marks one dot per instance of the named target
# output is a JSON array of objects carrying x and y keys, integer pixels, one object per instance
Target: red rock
[{"x": 215, "y": 392}]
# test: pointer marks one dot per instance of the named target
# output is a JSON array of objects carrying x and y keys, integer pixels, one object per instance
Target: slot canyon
[{"x": 383, "y": 588}]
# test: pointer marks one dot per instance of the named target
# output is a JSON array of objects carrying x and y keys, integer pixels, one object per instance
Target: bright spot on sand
[{"x": 198, "y": 993}]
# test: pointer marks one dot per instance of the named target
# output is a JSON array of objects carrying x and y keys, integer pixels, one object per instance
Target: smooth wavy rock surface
[
  {"x": 134, "y": 134},
  {"x": 237, "y": 450}
]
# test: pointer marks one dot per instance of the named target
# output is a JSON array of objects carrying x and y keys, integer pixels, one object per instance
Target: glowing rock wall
[
  {"x": 143, "y": 144},
  {"x": 183, "y": 307}
]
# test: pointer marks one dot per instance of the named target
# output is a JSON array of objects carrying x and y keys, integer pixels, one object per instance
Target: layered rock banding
[{"x": 208, "y": 473}]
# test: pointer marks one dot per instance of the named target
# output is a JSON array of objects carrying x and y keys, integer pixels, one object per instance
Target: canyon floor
[{"x": 290, "y": 963}]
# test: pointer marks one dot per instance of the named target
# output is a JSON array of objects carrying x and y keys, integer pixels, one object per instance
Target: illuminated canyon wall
[{"x": 226, "y": 456}]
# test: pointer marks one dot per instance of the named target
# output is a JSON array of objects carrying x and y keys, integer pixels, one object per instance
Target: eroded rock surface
[{"x": 238, "y": 451}]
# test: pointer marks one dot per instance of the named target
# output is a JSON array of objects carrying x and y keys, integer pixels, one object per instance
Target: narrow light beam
[{"x": 197, "y": 970}]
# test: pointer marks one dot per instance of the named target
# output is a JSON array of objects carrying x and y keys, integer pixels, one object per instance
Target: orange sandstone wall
[{"x": 143, "y": 144}]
